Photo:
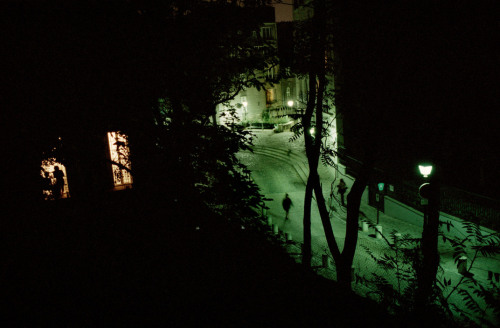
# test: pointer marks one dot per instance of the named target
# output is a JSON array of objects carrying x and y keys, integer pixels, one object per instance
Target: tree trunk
[
  {"x": 306, "y": 250},
  {"x": 317, "y": 85},
  {"x": 325, "y": 218},
  {"x": 312, "y": 159},
  {"x": 352, "y": 224},
  {"x": 344, "y": 273}
]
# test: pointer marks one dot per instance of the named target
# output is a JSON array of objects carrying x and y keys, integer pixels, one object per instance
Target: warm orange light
[
  {"x": 120, "y": 154},
  {"x": 48, "y": 167}
]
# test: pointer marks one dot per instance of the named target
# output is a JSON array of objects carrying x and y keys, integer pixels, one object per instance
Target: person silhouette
[
  {"x": 342, "y": 188},
  {"x": 287, "y": 203},
  {"x": 59, "y": 184}
]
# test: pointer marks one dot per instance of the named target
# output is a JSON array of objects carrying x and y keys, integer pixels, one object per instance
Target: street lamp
[
  {"x": 425, "y": 170},
  {"x": 290, "y": 103},
  {"x": 380, "y": 186},
  {"x": 429, "y": 191},
  {"x": 425, "y": 189}
]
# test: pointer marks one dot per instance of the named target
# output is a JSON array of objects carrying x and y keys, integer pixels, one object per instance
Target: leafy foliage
[
  {"x": 479, "y": 301},
  {"x": 298, "y": 131},
  {"x": 397, "y": 295},
  {"x": 201, "y": 164}
]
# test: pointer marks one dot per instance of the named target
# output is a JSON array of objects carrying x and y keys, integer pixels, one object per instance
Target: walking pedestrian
[
  {"x": 287, "y": 203},
  {"x": 342, "y": 188}
]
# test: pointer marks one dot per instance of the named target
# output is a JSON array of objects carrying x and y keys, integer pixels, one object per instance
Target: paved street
[{"x": 280, "y": 167}]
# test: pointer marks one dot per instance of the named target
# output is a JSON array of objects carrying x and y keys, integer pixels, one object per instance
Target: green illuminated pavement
[{"x": 279, "y": 166}]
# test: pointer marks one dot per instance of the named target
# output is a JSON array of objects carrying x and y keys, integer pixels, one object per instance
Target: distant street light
[
  {"x": 312, "y": 131},
  {"x": 290, "y": 103}
]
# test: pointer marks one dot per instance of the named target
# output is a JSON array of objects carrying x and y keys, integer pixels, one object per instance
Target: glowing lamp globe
[
  {"x": 425, "y": 170},
  {"x": 290, "y": 103}
]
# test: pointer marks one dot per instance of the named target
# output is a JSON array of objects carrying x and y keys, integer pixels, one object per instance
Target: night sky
[{"x": 423, "y": 75}]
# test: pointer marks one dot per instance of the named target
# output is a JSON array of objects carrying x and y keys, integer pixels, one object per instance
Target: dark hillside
[{"x": 125, "y": 262}]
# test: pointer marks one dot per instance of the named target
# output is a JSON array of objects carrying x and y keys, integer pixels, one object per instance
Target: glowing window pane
[
  {"x": 50, "y": 188},
  {"x": 120, "y": 154}
]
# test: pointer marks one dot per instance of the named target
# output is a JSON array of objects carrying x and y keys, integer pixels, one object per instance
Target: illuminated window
[
  {"x": 54, "y": 180},
  {"x": 120, "y": 156}
]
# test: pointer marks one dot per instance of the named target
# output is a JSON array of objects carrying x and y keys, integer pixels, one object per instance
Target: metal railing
[{"x": 454, "y": 201}]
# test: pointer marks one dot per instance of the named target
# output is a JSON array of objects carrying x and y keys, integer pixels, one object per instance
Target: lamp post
[
  {"x": 429, "y": 191},
  {"x": 425, "y": 191},
  {"x": 380, "y": 187}
]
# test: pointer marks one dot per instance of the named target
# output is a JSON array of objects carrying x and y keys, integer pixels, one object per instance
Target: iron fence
[{"x": 454, "y": 201}]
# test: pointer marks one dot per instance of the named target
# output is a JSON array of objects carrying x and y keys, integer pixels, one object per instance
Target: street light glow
[
  {"x": 245, "y": 103},
  {"x": 290, "y": 103},
  {"x": 425, "y": 170},
  {"x": 312, "y": 131}
]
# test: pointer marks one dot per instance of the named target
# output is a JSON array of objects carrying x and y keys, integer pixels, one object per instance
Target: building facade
[
  {"x": 334, "y": 139},
  {"x": 283, "y": 102},
  {"x": 276, "y": 99}
]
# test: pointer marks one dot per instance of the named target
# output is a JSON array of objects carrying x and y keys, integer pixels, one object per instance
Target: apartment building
[{"x": 278, "y": 98}]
